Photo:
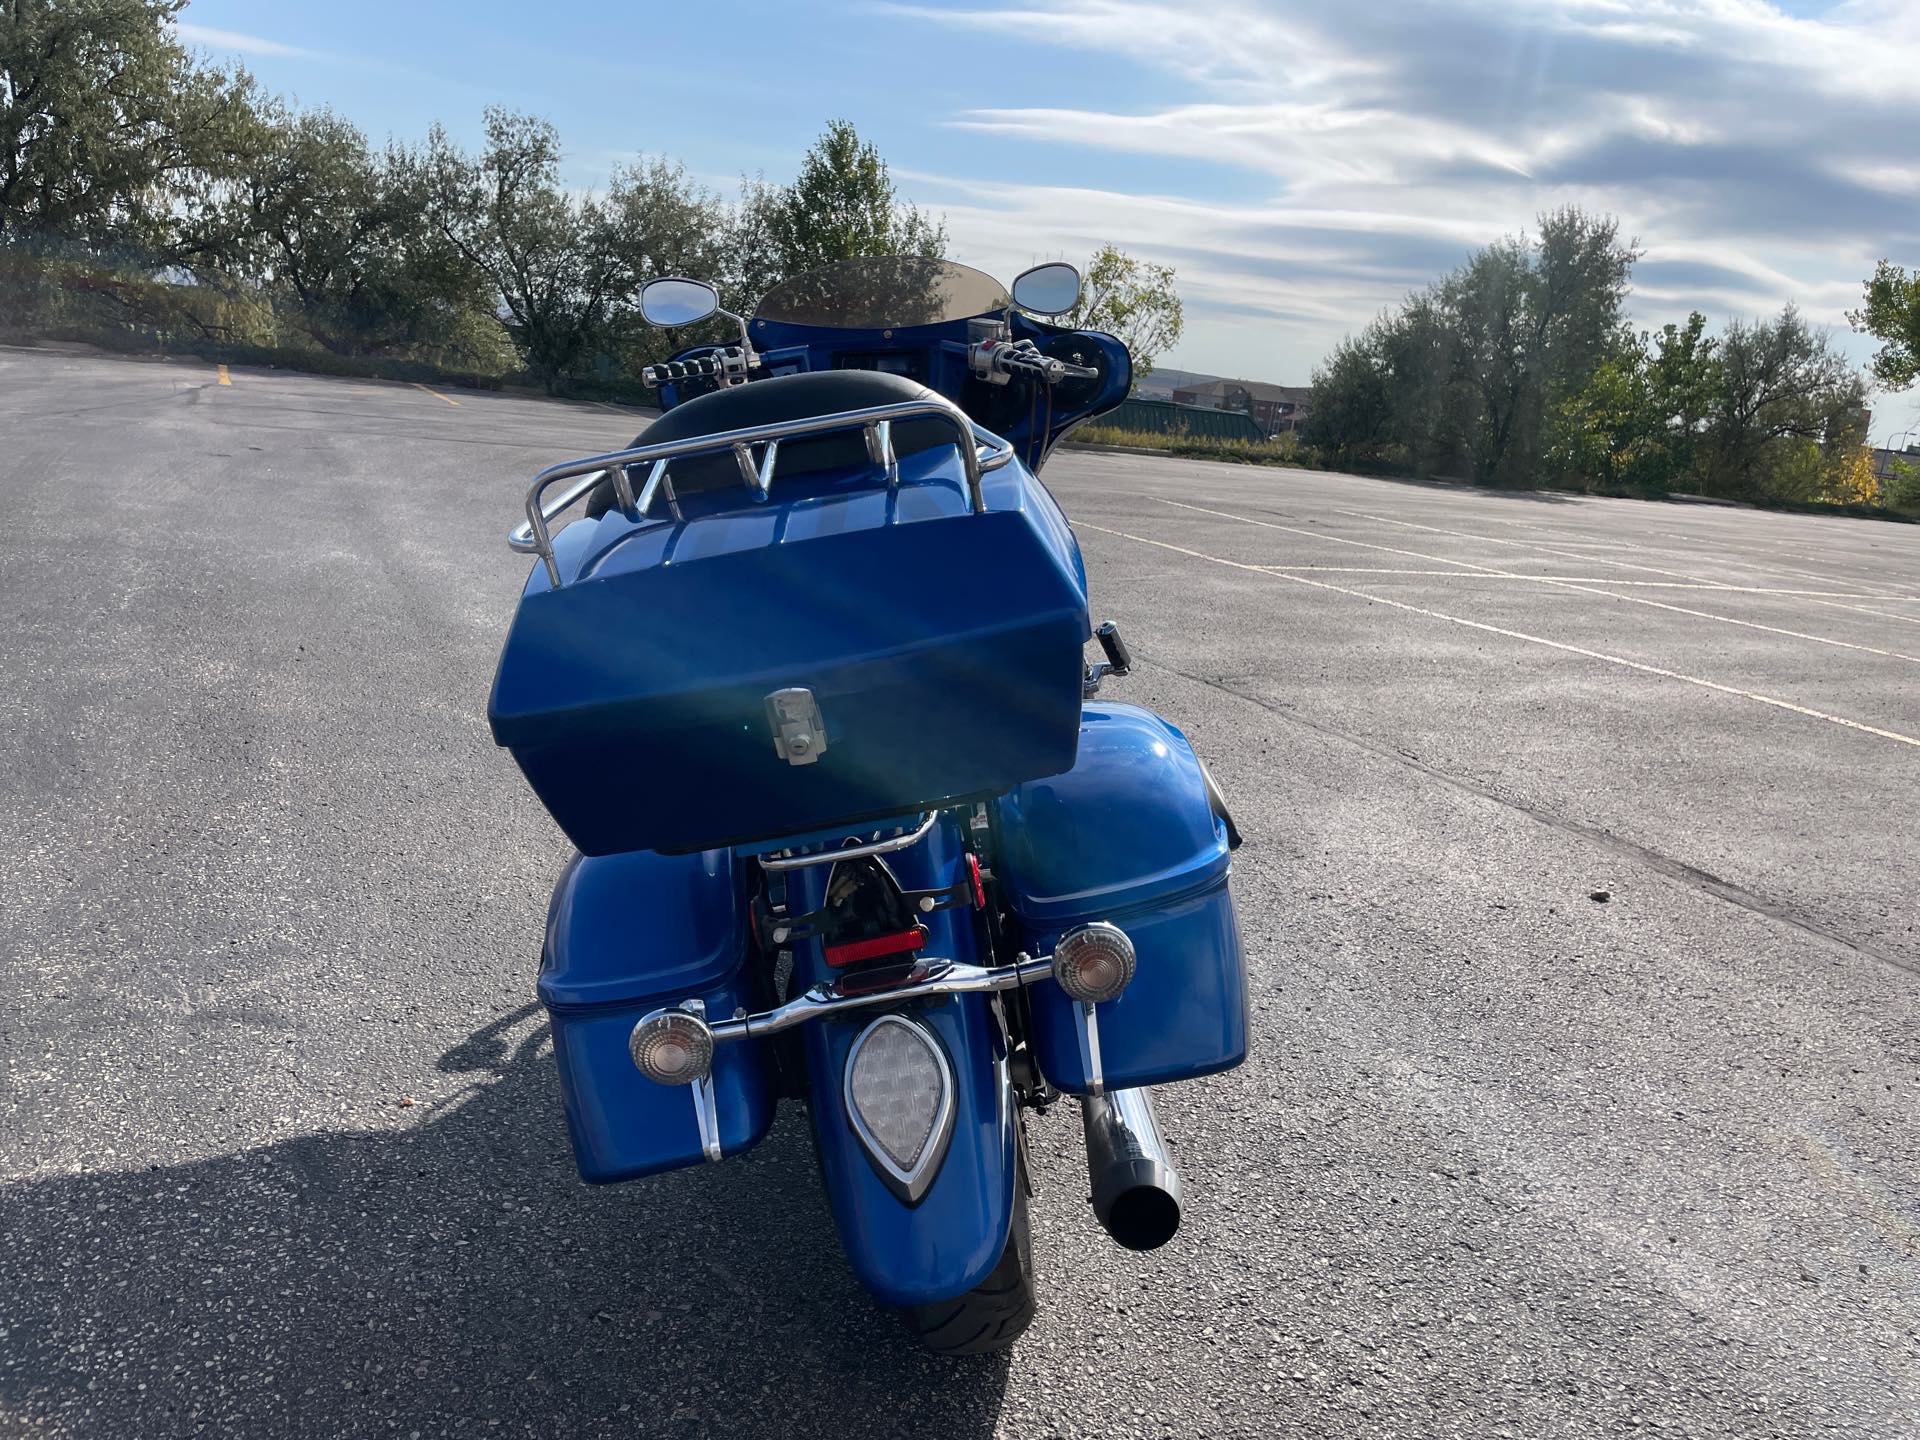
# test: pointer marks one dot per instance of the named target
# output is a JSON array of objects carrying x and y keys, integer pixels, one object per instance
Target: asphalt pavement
[{"x": 1578, "y": 891}]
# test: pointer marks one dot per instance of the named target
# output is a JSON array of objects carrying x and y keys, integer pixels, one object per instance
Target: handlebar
[
  {"x": 721, "y": 364},
  {"x": 1004, "y": 357},
  {"x": 988, "y": 358}
]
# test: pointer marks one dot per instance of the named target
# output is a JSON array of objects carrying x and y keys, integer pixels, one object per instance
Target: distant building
[
  {"x": 1885, "y": 460},
  {"x": 1276, "y": 409}
]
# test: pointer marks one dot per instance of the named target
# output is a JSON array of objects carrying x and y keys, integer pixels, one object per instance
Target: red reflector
[
  {"x": 854, "y": 951},
  {"x": 979, "y": 891}
]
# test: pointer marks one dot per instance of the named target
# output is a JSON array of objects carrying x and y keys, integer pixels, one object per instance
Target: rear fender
[{"x": 951, "y": 1239}]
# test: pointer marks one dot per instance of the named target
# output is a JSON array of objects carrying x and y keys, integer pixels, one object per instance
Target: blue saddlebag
[
  {"x": 939, "y": 649},
  {"x": 1130, "y": 835},
  {"x": 628, "y": 934}
]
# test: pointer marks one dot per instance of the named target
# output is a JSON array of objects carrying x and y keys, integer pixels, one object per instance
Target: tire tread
[{"x": 992, "y": 1315}]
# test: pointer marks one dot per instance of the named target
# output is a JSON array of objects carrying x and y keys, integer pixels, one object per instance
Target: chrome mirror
[
  {"x": 1047, "y": 289},
  {"x": 678, "y": 302}
]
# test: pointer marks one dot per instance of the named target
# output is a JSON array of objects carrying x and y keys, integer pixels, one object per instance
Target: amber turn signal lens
[
  {"x": 1093, "y": 962},
  {"x": 672, "y": 1047}
]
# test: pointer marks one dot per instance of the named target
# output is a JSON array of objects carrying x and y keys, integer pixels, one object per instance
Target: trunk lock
[{"x": 799, "y": 734}]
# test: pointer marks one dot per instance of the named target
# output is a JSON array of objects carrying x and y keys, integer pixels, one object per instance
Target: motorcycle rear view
[{"x": 806, "y": 687}]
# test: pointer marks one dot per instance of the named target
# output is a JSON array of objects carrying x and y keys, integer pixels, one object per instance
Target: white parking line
[
  {"x": 1561, "y": 579},
  {"x": 1577, "y": 586},
  {"x": 1629, "y": 565},
  {"x": 1690, "y": 553},
  {"x": 1664, "y": 674}
]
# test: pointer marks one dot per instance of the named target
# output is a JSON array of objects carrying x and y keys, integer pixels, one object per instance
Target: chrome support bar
[
  {"x": 901, "y": 841},
  {"x": 623, "y": 492},
  {"x": 749, "y": 472},
  {"x": 1086, "y": 1026},
  {"x": 980, "y": 452},
  {"x": 928, "y": 980},
  {"x": 706, "y": 1110},
  {"x": 657, "y": 482},
  {"x": 765, "y": 478},
  {"x": 880, "y": 444}
]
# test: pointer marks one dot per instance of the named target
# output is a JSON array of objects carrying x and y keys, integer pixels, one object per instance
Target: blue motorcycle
[{"x": 806, "y": 686}]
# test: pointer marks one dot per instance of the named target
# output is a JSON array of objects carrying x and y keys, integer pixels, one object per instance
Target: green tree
[
  {"x": 1133, "y": 299},
  {"x": 841, "y": 205},
  {"x": 1476, "y": 366},
  {"x": 1638, "y": 419},
  {"x": 1533, "y": 319},
  {"x": 660, "y": 222},
  {"x": 1351, "y": 414},
  {"x": 1780, "y": 382},
  {"x": 1892, "y": 314},
  {"x": 1903, "y": 485},
  {"x": 1395, "y": 394},
  {"x": 302, "y": 213},
  {"x": 551, "y": 257},
  {"x": 103, "y": 117}
]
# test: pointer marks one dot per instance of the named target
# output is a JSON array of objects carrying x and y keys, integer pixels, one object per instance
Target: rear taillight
[{"x": 877, "y": 947}]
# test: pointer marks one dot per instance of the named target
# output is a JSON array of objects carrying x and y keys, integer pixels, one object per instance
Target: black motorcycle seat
[{"x": 788, "y": 397}]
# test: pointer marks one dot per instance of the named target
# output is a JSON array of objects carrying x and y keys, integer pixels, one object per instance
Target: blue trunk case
[{"x": 943, "y": 649}]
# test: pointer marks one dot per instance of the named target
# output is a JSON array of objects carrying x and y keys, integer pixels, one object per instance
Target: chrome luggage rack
[
  {"x": 800, "y": 858},
  {"x": 980, "y": 451}
]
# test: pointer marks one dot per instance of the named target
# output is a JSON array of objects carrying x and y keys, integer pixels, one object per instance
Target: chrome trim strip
[
  {"x": 534, "y": 538},
  {"x": 930, "y": 979},
  {"x": 851, "y": 852},
  {"x": 911, "y": 1183}
]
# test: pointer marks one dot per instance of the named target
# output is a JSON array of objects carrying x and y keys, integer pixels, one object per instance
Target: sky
[{"x": 1301, "y": 165}]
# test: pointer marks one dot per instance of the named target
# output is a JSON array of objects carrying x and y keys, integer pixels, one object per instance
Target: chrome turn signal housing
[
  {"x": 672, "y": 1047},
  {"x": 1093, "y": 963}
]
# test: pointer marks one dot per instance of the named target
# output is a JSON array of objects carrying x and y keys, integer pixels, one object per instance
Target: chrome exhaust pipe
[{"x": 1136, "y": 1190}]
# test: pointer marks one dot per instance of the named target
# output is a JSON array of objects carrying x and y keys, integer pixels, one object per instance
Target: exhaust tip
[
  {"x": 1136, "y": 1190},
  {"x": 1143, "y": 1217}
]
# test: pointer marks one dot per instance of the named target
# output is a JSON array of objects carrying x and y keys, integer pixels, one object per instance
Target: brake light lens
[{"x": 899, "y": 1098}]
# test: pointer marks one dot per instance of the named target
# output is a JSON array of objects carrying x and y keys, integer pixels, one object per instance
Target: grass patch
[{"x": 1286, "y": 450}]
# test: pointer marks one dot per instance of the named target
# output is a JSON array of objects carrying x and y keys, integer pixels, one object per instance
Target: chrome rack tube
[
  {"x": 928, "y": 979},
  {"x": 980, "y": 452},
  {"x": 891, "y": 843}
]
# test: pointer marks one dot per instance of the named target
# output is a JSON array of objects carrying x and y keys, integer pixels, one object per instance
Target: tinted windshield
[{"x": 884, "y": 292}]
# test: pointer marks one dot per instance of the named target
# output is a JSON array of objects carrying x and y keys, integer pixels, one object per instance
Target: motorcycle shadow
[{"x": 454, "y": 1278}]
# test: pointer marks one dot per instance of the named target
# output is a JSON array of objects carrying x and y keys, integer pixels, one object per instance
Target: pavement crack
[{"x": 1689, "y": 875}]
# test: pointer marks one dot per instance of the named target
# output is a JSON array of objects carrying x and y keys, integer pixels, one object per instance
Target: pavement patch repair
[{"x": 1578, "y": 893}]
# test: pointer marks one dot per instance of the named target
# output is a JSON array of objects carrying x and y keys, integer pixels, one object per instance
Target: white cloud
[
  {"x": 235, "y": 42},
  {"x": 1759, "y": 157}
]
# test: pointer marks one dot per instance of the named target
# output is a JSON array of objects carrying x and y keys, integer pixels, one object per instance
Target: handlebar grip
[{"x": 670, "y": 370}]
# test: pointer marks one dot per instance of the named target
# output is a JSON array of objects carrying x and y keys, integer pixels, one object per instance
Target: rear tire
[{"x": 990, "y": 1316}]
